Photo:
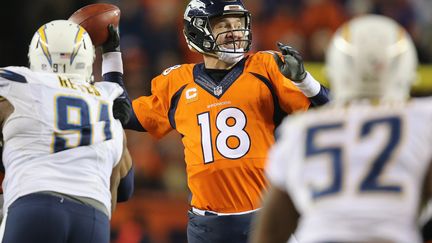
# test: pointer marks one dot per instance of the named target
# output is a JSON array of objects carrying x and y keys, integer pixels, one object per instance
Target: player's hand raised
[
  {"x": 292, "y": 64},
  {"x": 112, "y": 44},
  {"x": 122, "y": 109}
]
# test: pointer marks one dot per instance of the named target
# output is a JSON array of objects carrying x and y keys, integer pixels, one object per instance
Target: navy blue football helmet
[{"x": 197, "y": 27}]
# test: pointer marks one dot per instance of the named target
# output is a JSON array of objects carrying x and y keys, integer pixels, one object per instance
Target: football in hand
[{"x": 95, "y": 18}]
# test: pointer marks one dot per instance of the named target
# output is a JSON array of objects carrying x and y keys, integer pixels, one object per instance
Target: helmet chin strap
[{"x": 229, "y": 57}]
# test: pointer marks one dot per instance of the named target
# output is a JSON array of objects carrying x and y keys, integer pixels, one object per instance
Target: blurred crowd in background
[{"x": 152, "y": 40}]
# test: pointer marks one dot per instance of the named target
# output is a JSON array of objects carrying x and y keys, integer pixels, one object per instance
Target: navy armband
[
  {"x": 321, "y": 98},
  {"x": 126, "y": 186}
]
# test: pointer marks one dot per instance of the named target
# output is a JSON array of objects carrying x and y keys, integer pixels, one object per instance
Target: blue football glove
[{"x": 292, "y": 65}]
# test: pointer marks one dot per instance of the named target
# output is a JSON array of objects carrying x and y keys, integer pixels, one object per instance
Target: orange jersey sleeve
[
  {"x": 152, "y": 111},
  {"x": 291, "y": 99}
]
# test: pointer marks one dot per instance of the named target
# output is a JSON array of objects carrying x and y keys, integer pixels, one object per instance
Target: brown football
[{"x": 95, "y": 18}]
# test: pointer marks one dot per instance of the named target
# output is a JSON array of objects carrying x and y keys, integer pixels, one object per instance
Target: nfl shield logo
[{"x": 217, "y": 90}]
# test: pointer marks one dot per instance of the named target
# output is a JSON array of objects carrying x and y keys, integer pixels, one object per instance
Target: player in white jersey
[
  {"x": 357, "y": 169},
  {"x": 64, "y": 153}
]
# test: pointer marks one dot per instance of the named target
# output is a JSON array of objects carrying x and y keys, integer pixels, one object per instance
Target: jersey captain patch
[{"x": 191, "y": 95}]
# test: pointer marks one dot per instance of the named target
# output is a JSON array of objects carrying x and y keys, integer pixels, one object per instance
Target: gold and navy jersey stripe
[{"x": 12, "y": 76}]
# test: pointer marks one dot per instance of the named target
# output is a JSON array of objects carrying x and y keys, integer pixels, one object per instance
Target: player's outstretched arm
[
  {"x": 291, "y": 66},
  {"x": 122, "y": 178},
  {"x": 277, "y": 219},
  {"x": 112, "y": 71}
]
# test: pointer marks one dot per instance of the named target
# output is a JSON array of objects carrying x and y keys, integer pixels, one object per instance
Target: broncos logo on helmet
[{"x": 194, "y": 5}]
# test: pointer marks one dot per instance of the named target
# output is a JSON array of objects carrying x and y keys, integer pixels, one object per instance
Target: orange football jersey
[{"x": 226, "y": 127}]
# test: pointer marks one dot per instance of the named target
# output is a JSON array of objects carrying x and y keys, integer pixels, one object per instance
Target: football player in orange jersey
[{"x": 226, "y": 110}]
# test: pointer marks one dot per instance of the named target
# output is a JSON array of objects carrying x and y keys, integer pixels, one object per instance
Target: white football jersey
[
  {"x": 61, "y": 137},
  {"x": 355, "y": 173}
]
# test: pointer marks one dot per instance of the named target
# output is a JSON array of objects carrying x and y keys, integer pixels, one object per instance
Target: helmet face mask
[
  {"x": 62, "y": 46},
  {"x": 371, "y": 57},
  {"x": 200, "y": 18},
  {"x": 227, "y": 39}
]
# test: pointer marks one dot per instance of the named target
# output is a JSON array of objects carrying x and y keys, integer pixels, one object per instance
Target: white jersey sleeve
[
  {"x": 9, "y": 76},
  {"x": 113, "y": 90}
]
